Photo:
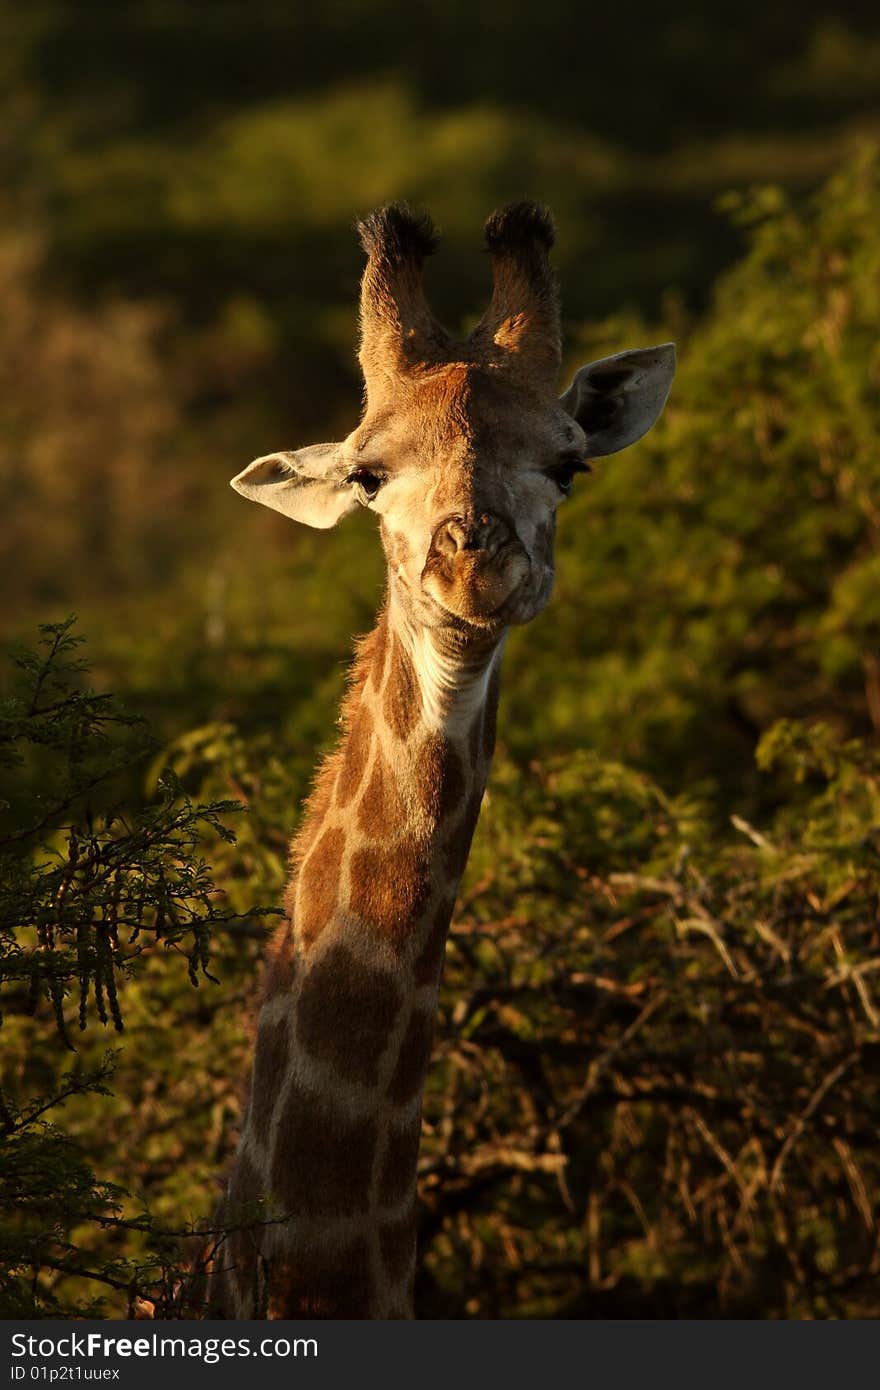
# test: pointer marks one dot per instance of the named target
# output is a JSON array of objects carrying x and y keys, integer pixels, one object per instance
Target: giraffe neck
[{"x": 332, "y": 1130}]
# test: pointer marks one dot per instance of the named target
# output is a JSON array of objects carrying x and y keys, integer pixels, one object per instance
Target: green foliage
[
  {"x": 85, "y": 889},
  {"x": 303, "y": 116},
  {"x": 726, "y": 564},
  {"x": 80, "y": 890},
  {"x": 657, "y": 1092},
  {"x": 47, "y": 1192}
]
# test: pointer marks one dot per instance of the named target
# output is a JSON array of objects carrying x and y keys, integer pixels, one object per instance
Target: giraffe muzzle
[
  {"x": 486, "y": 533},
  {"x": 474, "y": 566}
]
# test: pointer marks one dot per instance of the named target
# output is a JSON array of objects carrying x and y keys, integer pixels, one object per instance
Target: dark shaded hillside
[{"x": 216, "y": 155}]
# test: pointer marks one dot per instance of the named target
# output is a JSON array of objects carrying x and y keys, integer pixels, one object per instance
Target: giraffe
[{"x": 465, "y": 452}]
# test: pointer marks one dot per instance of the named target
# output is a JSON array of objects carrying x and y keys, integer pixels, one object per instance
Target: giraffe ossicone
[{"x": 465, "y": 452}]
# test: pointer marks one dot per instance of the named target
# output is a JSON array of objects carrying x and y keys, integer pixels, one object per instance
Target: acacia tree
[{"x": 87, "y": 887}]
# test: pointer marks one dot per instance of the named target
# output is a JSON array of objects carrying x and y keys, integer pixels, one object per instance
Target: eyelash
[
  {"x": 563, "y": 474},
  {"x": 367, "y": 484}
]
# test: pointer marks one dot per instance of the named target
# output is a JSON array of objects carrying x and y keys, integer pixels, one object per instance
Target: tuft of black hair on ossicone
[
  {"x": 519, "y": 228},
  {"x": 395, "y": 233}
]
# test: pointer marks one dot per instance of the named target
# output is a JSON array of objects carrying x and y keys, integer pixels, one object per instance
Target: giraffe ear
[
  {"x": 617, "y": 400},
  {"x": 308, "y": 485}
]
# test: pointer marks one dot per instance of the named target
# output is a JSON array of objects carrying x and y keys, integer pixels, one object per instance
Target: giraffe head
[{"x": 464, "y": 449}]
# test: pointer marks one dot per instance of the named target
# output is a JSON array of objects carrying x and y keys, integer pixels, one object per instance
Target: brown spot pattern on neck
[{"x": 348, "y": 1008}]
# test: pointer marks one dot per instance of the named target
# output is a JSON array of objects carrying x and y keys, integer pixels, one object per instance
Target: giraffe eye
[
  {"x": 366, "y": 483},
  {"x": 563, "y": 473}
]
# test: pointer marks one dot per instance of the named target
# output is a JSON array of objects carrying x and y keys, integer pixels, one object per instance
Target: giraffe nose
[{"x": 486, "y": 532}]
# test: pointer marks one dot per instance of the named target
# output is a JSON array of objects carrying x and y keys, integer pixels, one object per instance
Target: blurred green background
[{"x": 179, "y": 278}]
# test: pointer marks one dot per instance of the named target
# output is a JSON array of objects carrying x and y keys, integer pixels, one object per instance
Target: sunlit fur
[
  {"x": 464, "y": 429},
  {"x": 461, "y": 444}
]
